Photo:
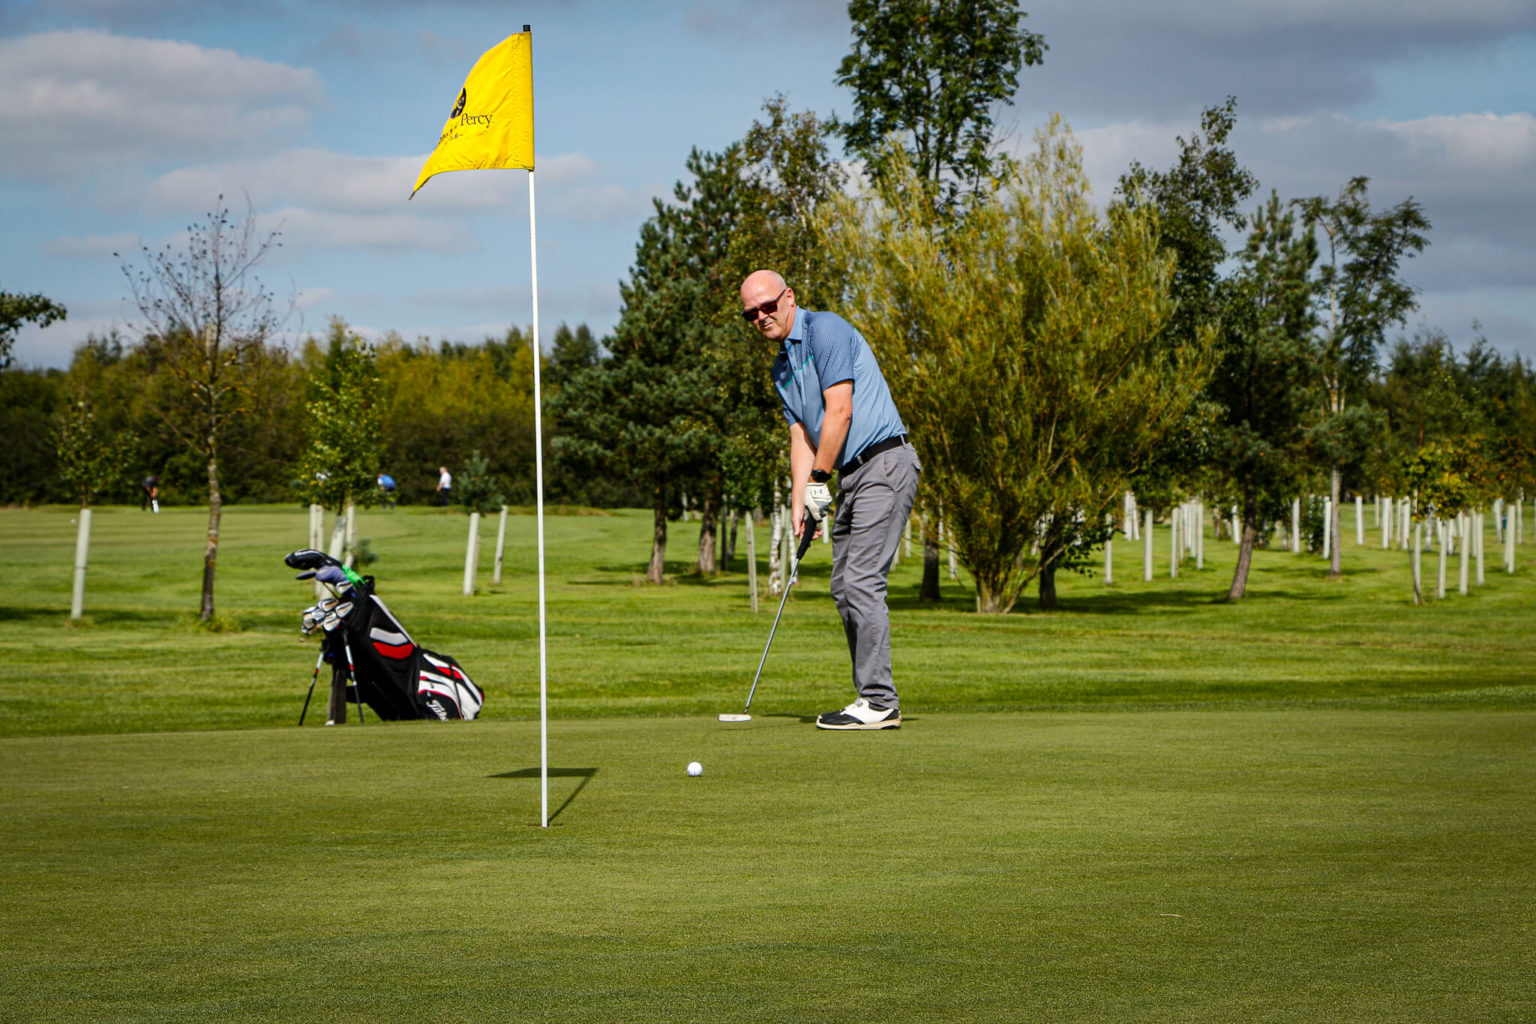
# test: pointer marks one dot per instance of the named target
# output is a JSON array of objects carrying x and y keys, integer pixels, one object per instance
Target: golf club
[{"x": 807, "y": 534}]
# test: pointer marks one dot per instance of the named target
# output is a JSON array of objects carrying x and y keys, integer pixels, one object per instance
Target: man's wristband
[{"x": 820, "y": 476}]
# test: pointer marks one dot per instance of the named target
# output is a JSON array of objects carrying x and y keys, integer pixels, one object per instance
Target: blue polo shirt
[{"x": 823, "y": 349}]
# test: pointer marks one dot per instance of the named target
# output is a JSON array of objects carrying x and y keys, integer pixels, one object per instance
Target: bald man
[{"x": 842, "y": 419}]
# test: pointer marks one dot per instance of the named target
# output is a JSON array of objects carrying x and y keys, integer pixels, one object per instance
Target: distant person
[
  {"x": 151, "y": 494},
  {"x": 386, "y": 490},
  {"x": 444, "y": 485}
]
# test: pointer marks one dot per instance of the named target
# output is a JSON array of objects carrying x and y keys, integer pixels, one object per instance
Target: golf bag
[{"x": 388, "y": 671}]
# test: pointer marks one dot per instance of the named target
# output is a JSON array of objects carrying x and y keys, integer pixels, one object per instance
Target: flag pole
[{"x": 538, "y": 481}]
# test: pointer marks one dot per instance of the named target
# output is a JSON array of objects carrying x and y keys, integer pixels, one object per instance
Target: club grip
[{"x": 807, "y": 534}]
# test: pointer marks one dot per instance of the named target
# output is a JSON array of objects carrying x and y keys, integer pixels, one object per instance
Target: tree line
[
  {"x": 1050, "y": 350},
  {"x": 431, "y": 404}
]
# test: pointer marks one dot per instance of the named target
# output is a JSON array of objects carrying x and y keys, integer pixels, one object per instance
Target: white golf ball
[{"x": 695, "y": 769}]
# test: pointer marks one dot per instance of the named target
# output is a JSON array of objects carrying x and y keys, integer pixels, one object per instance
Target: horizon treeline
[{"x": 440, "y": 401}]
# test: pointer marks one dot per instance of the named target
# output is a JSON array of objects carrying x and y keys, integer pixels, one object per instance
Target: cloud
[
  {"x": 607, "y": 204},
  {"x": 85, "y": 100},
  {"x": 1110, "y": 57},
  {"x": 92, "y": 246},
  {"x": 345, "y": 182},
  {"x": 54, "y": 345},
  {"x": 315, "y": 229},
  {"x": 739, "y": 19},
  {"x": 1471, "y": 173},
  {"x": 308, "y": 298}
]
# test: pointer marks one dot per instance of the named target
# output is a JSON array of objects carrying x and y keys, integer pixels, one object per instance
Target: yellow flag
[{"x": 492, "y": 121}]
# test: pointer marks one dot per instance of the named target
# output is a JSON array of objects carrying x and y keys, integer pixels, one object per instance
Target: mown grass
[
  {"x": 619, "y": 647},
  {"x": 1297, "y": 865},
  {"x": 1319, "y": 804}
]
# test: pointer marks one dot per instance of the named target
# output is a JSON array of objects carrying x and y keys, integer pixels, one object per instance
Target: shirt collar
[{"x": 796, "y": 332}]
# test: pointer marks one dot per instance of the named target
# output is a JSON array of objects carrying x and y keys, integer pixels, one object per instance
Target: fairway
[{"x": 1317, "y": 805}]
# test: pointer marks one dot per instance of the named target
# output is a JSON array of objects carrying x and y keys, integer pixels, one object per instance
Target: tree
[
  {"x": 476, "y": 486},
  {"x": 91, "y": 460},
  {"x": 340, "y": 465},
  {"x": 931, "y": 73},
  {"x": 1365, "y": 297},
  {"x": 1444, "y": 478},
  {"x": 30, "y": 400},
  {"x": 1197, "y": 201},
  {"x": 1025, "y": 346},
  {"x": 573, "y": 352},
  {"x": 491, "y": 385},
  {"x": 16, "y": 310},
  {"x": 1264, "y": 382},
  {"x": 654, "y": 412},
  {"x": 206, "y": 320}
]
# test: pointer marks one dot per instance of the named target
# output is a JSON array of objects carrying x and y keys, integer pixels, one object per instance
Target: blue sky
[{"x": 121, "y": 121}]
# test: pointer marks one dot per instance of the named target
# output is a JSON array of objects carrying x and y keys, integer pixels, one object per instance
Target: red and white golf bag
[{"x": 394, "y": 675}]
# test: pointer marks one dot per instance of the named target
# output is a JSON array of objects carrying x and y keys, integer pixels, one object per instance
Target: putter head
[{"x": 735, "y": 718}]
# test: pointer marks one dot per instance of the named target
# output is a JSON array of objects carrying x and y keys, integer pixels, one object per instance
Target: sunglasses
[{"x": 766, "y": 309}]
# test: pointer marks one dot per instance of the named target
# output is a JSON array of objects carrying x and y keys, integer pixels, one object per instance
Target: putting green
[{"x": 1183, "y": 866}]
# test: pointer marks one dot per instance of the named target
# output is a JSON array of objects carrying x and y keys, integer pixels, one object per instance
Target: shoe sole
[{"x": 890, "y": 723}]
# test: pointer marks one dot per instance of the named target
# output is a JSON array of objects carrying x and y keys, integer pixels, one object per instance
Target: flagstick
[{"x": 538, "y": 479}]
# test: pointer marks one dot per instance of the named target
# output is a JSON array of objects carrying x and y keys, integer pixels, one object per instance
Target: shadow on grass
[
  {"x": 685, "y": 573},
  {"x": 584, "y": 774},
  {"x": 94, "y": 617},
  {"x": 811, "y": 720}
]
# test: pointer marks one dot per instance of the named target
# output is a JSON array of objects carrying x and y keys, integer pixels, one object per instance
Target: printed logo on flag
[{"x": 497, "y": 131}]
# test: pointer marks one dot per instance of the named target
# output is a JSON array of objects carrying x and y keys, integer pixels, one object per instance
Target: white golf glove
[{"x": 818, "y": 498}]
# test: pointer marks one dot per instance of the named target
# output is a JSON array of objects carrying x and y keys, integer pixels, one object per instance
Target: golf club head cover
[
  {"x": 333, "y": 575},
  {"x": 308, "y": 558}
]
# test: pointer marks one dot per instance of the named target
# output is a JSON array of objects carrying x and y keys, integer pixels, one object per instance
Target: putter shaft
[{"x": 807, "y": 534}]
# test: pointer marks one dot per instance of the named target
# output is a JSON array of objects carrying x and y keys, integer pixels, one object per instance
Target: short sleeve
[{"x": 831, "y": 341}]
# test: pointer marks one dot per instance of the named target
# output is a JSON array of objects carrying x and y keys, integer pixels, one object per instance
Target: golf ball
[{"x": 695, "y": 769}]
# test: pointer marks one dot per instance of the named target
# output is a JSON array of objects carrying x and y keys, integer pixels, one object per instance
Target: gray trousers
[{"x": 873, "y": 503}]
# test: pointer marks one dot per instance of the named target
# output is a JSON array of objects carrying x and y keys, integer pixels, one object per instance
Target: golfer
[{"x": 841, "y": 418}]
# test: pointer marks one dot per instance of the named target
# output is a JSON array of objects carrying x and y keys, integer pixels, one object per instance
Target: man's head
[{"x": 769, "y": 304}]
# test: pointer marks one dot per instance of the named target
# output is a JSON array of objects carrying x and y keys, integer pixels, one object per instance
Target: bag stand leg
[{"x": 313, "y": 680}]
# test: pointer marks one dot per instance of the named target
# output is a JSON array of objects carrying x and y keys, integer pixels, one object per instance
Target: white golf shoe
[{"x": 860, "y": 715}]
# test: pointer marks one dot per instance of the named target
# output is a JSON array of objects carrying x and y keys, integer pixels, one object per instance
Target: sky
[{"x": 122, "y": 121}]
